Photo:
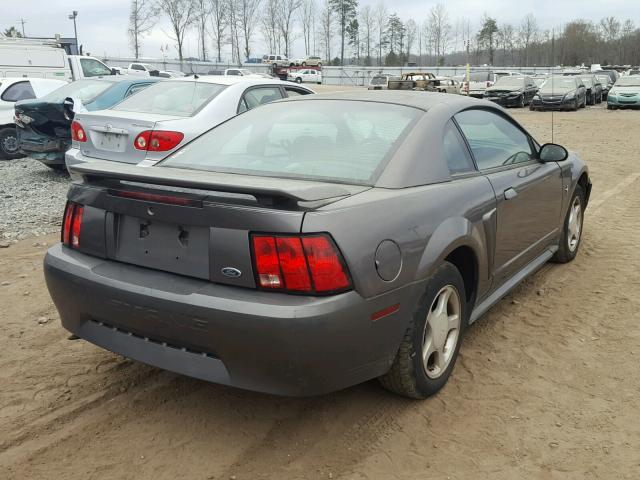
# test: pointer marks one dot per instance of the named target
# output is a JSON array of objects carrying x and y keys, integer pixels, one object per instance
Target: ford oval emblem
[{"x": 231, "y": 272}]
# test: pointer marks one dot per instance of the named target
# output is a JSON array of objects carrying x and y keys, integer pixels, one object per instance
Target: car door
[{"x": 528, "y": 192}]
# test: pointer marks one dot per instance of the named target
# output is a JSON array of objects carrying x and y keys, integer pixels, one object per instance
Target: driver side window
[{"x": 494, "y": 140}]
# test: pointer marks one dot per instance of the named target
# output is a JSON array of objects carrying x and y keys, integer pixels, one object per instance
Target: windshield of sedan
[
  {"x": 588, "y": 81},
  {"x": 180, "y": 98},
  {"x": 85, "y": 90},
  {"x": 510, "y": 81},
  {"x": 331, "y": 142},
  {"x": 559, "y": 85},
  {"x": 633, "y": 81}
]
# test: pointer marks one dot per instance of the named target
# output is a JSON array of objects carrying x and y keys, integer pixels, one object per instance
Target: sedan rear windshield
[
  {"x": 85, "y": 90},
  {"x": 323, "y": 140},
  {"x": 179, "y": 98}
]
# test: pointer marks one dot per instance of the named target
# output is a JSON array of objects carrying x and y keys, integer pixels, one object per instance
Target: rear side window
[
  {"x": 18, "y": 91},
  {"x": 178, "y": 98},
  {"x": 455, "y": 150},
  {"x": 258, "y": 96},
  {"x": 333, "y": 141},
  {"x": 136, "y": 88},
  {"x": 295, "y": 92},
  {"x": 493, "y": 139}
]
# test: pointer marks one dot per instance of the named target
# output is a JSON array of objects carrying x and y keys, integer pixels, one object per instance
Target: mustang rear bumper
[{"x": 264, "y": 341}]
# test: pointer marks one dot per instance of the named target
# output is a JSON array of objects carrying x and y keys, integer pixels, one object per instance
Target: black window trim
[{"x": 532, "y": 143}]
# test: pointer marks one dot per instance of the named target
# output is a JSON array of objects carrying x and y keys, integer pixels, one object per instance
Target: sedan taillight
[
  {"x": 310, "y": 264},
  {"x": 77, "y": 132},
  {"x": 157, "y": 140},
  {"x": 71, "y": 224}
]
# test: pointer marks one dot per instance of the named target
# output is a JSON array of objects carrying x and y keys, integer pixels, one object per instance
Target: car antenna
[{"x": 553, "y": 58}]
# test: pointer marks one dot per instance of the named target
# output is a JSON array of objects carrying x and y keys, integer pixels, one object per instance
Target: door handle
[{"x": 510, "y": 193}]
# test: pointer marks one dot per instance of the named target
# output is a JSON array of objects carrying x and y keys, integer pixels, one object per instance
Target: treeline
[{"x": 344, "y": 33}]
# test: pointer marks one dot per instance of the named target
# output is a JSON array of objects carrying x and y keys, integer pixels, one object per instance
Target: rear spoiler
[{"x": 296, "y": 190}]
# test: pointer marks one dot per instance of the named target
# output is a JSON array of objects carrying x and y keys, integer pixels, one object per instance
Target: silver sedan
[{"x": 155, "y": 122}]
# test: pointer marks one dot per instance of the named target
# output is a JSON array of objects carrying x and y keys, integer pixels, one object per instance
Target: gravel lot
[
  {"x": 33, "y": 198},
  {"x": 546, "y": 386}
]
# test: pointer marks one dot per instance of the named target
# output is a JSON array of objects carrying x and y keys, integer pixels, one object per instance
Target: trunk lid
[
  {"x": 46, "y": 118},
  {"x": 110, "y": 135},
  {"x": 190, "y": 223}
]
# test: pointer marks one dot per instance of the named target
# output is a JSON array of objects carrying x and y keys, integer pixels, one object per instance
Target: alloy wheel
[
  {"x": 9, "y": 144},
  {"x": 441, "y": 332},
  {"x": 574, "y": 225}
]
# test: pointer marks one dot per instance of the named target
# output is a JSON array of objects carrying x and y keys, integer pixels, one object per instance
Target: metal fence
[{"x": 350, "y": 75}]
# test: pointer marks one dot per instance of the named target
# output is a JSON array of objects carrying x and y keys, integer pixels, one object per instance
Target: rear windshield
[
  {"x": 323, "y": 140},
  {"x": 479, "y": 77},
  {"x": 171, "y": 98},
  {"x": 85, "y": 90}
]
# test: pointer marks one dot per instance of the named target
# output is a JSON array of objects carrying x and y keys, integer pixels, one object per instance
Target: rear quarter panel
[{"x": 427, "y": 223}]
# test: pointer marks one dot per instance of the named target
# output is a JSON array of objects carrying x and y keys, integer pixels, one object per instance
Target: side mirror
[
  {"x": 114, "y": 71},
  {"x": 550, "y": 152}
]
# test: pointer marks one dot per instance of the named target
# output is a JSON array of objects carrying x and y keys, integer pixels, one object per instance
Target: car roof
[
  {"x": 226, "y": 80},
  {"x": 421, "y": 100}
]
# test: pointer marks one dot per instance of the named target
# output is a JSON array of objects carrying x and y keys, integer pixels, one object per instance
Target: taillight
[
  {"x": 157, "y": 140},
  {"x": 308, "y": 264},
  {"x": 77, "y": 132},
  {"x": 71, "y": 224}
]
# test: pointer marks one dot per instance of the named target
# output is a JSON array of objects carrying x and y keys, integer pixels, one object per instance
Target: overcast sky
[{"x": 102, "y": 24}]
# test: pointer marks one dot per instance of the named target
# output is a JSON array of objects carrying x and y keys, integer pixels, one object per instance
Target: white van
[{"x": 21, "y": 57}]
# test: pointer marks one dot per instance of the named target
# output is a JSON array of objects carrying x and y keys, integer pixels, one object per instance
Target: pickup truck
[
  {"x": 146, "y": 70},
  {"x": 46, "y": 59}
]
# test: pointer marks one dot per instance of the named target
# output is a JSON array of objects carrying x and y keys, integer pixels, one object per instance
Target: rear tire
[
  {"x": 522, "y": 102},
  {"x": 428, "y": 351},
  {"x": 304, "y": 64},
  {"x": 9, "y": 144},
  {"x": 298, "y": 80},
  {"x": 572, "y": 229}
]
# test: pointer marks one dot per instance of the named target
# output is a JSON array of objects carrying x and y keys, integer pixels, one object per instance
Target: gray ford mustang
[{"x": 316, "y": 242}]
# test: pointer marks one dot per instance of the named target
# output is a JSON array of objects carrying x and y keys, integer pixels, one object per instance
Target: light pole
[{"x": 72, "y": 16}]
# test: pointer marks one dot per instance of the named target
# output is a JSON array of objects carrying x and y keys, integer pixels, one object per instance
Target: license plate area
[
  {"x": 111, "y": 142},
  {"x": 181, "y": 249}
]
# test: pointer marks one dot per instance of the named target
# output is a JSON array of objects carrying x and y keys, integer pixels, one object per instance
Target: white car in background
[
  {"x": 12, "y": 90},
  {"x": 155, "y": 122},
  {"x": 304, "y": 76}
]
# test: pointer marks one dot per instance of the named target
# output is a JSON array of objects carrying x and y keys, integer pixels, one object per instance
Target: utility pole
[
  {"x": 23, "y": 21},
  {"x": 72, "y": 16}
]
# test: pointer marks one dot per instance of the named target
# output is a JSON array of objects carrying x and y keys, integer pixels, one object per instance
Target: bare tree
[
  {"x": 181, "y": 15},
  {"x": 505, "y": 39},
  {"x": 327, "y": 28},
  {"x": 202, "y": 13},
  {"x": 381, "y": 18},
  {"x": 440, "y": 29},
  {"x": 247, "y": 18},
  {"x": 269, "y": 24},
  {"x": 411, "y": 30},
  {"x": 286, "y": 20},
  {"x": 367, "y": 22},
  {"x": 218, "y": 16},
  {"x": 142, "y": 18},
  {"x": 307, "y": 16},
  {"x": 528, "y": 32},
  {"x": 234, "y": 36}
]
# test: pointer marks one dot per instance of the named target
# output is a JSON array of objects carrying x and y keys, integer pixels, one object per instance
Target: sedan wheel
[
  {"x": 522, "y": 102},
  {"x": 572, "y": 230},
  {"x": 304, "y": 64},
  {"x": 427, "y": 354},
  {"x": 298, "y": 80},
  {"x": 9, "y": 144},
  {"x": 441, "y": 332}
]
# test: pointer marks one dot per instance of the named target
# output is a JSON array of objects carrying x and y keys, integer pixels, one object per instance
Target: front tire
[
  {"x": 298, "y": 80},
  {"x": 522, "y": 102},
  {"x": 428, "y": 351},
  {"x": 304, "y": 64},
  {"x": 9, "y": 144},
  {"x": 572, "y": 229}
]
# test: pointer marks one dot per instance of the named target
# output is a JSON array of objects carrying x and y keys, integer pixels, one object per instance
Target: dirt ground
[{"x": 547, "y": 385}]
